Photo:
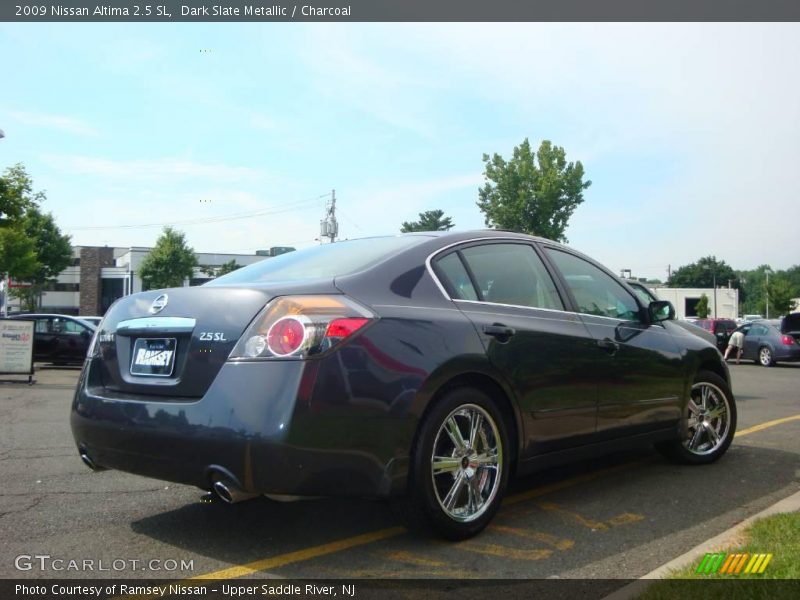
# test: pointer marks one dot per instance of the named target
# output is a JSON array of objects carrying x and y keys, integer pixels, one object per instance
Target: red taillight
[
  {"x": 286, "y": 336},
  {"x": 787, "y": 340},
  {"x": 342, "y": 328}
]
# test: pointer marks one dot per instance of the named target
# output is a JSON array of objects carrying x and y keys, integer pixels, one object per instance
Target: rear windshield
[{"x": 323, "y": 261}]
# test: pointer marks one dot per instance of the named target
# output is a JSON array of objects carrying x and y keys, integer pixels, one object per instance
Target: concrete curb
[{"x": 715, "y": 544}]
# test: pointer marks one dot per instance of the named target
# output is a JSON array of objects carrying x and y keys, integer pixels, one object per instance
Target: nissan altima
[{"x": 428, "y": 368}]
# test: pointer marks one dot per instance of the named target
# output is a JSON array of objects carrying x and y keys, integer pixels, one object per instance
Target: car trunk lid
[{"x": 172, "y": 343}]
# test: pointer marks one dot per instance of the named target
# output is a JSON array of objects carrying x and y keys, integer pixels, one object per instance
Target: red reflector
[
  {"x": 341, "y": 328},
  {"x": 787, "y": 340},
  {"x": 286, "y": 336}
]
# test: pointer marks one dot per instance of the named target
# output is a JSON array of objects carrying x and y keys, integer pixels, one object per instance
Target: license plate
[{"x": 154, "y": 356}]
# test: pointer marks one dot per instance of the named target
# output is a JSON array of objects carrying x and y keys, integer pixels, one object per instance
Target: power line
[{"x": 205, "y": 220}]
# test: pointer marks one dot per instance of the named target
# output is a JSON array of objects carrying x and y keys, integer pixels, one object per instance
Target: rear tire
[
  {"x": 459, "y": 466},
  {"x": 765, "y": 357},
  {"x": 709, "y": 423}
]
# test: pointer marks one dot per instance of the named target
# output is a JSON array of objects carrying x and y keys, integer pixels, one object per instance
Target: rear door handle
[
  {"x": 499, "y": 331},
  {"x": 608, "y": 345}
]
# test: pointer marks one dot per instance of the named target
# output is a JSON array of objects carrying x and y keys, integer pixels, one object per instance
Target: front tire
[
  {"x": 709, "y": 423},
  {"x": 460, "y": 466}
]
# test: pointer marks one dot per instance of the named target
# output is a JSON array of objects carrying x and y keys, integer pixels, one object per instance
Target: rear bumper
[
  {"x": 787, "y": 353},
  {"x": 264, "y": 424}
]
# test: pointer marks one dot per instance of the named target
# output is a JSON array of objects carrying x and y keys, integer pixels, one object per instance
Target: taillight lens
[
  {"x": 300, "y": 327},
  {"x": 787, "y": 340}
]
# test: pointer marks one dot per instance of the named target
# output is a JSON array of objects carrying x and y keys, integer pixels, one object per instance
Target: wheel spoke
[
  {"x": 712, "y": 434},
  {"x": 705, "y": 392},
  {"x": 718, "y": 411},
  {"x": 489, "y": 458},
  {"x": 696, "y": 438},
  {"x": 693, "y": 408},
  {"x": 450, "y": 500},
  {"x": 475, "y": 498},
  {"x": 455, "y": 434},
  {"x": 445, "y": 464},
  {"x": 475, "y": 423}
]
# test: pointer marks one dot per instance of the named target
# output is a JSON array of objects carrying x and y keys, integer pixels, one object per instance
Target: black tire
[
  {"x": 706, "y": 450},
  {"x": 423, "y": 507},
  {"x": 765, "y": 357}
]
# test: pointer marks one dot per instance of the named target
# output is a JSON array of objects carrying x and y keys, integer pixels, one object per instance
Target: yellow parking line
[
  {"x": 382, "y": 534},
  {"x": 761, "y": 426},
  {"x": 413, "y": 559},
  {"x": 505, "y": 551},
  {"x": 573, "y": 516},
  {"x": 545, "y": 538}
]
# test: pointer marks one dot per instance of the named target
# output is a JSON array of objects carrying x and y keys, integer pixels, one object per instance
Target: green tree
[
  {"x": 701, "y": 274},
  {"x": 702, "y": 307},
  {"x": 16, "y": 195},
  {"x": 17, "y": 253},
  {"x": 430, "y": 220},
  {"x": 170, "y": 262},
  {"x": 223, "y": 269},
  {"x": 781, "y": 297},
  {"x": 533, "y": 192},
  {"x": 228, "y": 267}
]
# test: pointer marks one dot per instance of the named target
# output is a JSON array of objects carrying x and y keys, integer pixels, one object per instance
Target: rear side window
[
  {"x": 595, "y": 292},
  {"x": 457, "y": 278},
  {"x": 511, "y": 274}
]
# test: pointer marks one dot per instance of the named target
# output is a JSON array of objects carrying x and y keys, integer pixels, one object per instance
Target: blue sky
[{"x": 689, "y": 132}]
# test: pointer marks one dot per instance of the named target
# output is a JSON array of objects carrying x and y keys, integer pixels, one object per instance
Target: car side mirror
[{"x": 661, "y": 310}]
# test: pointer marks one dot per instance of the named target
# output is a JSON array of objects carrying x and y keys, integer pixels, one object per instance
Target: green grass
[{"x": 777, "y": 534}]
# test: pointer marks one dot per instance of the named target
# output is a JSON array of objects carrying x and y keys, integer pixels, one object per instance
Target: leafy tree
[
  {"x": 16, "y": 195},
  {"x": 781, "y": 297},
  {"x": 702, "y": 307},
  {"x": 701, "y": 274},
  {"x": 170, "y": 262},
  {"x": 228, "y": 267},
  {"x": 430, "y": 220},
  {"x": 534, "y": 192},
  {"x": 223, "y": 269},
  {"x": 18, "y": 253},
  {"x": 32, "y": 247}
]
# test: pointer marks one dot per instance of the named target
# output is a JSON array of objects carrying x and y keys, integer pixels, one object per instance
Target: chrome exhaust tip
[
  {"x": 229, "y": 493},
  {"x": 87, "y": 460}
]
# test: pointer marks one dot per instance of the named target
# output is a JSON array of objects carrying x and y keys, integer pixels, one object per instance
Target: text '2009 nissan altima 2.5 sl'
[{"x": 426, "y": 367}]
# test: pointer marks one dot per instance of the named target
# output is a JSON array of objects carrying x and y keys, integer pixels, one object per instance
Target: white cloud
[{"x": 58, "y": 122}]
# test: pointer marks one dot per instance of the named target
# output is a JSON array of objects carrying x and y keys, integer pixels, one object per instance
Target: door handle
[
  {"x": 608, "y": 345},
  {"x": 499, "y": 331}
]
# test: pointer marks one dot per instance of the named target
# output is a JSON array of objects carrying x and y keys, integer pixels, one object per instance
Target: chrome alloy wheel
[
  {"x": 765, "y": 356},
  {"x": 466, "y": 464},
  {"x": 708, "y": 424}
]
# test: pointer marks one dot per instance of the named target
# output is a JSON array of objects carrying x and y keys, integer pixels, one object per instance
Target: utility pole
[{"x": 329, "y": 226}]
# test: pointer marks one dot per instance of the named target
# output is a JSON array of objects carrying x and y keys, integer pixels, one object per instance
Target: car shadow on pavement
[{"x": 674, "y": 497}]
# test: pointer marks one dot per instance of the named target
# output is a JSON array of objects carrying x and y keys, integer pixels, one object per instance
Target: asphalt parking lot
[{"x": 616, "y": 517}]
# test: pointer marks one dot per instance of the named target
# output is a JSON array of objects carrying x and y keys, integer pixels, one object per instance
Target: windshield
[{"x": 324, "y": 261}]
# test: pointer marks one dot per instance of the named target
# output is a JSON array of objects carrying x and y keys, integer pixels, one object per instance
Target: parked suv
[{"x": 721, "y": 328}]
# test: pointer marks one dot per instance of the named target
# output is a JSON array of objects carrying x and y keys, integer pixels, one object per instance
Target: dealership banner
[
  {"x": 402, "y": 10},
  {"x": 400, "y": 589},
  {"x": 16, "y": 347}
]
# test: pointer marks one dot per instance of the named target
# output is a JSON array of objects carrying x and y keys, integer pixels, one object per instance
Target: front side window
[
  {"x": 595, "y": 291},
  {"x": 511, "y": 274}
]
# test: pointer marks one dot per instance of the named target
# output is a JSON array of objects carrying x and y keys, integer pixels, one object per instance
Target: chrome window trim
[{"x": 485, "y": 302}]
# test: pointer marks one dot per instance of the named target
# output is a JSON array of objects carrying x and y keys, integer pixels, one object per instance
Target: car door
[
  {"x": 637, "y": 365},
  {"x": 74, "y": 340},
  {"x": 45, "y": 342},
  {"x": 544, "y": 352},
  {"x": 752, "y": 340}
]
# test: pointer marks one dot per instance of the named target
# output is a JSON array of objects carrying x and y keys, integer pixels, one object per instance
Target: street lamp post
[{"x": 766, "y": 290}]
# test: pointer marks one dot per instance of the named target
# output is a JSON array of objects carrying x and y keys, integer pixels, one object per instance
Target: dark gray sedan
[
  {"x": 427, "y": 367},
  {"x": 769, "y": 341}
]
